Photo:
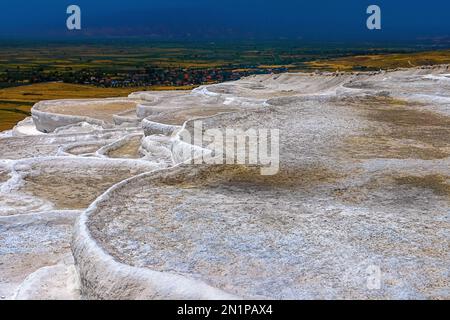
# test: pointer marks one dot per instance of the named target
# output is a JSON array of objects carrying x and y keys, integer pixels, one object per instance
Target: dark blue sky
[{"x": 332, "y": 20}]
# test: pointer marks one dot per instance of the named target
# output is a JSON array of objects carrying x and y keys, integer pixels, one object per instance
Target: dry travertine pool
[
  {"x": 96, "y": 109},
  {"x": 130, "y": 149},
  {"x": 70, "y": 189},
  {"x": 364, "y": 183},
  {"x": 85, "y": 148},
  {"x": 267, "y": 238}
]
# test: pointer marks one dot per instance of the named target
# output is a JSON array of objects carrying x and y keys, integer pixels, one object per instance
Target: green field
[{"x": 383, "y": 61}]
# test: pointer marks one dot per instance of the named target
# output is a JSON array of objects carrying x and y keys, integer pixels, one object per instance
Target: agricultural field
[{"x": 382, "y": 61}]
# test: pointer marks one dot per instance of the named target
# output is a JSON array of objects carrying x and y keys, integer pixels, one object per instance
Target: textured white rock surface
[
  {"x": 45, "y": 180},
  {"x": 364, "y": 182},
  {"x": 29, "y": 242},
  {"x": 58, "y": 282}
]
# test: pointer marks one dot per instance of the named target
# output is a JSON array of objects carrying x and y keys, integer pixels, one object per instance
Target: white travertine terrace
[{"x": 364, "y": 183}]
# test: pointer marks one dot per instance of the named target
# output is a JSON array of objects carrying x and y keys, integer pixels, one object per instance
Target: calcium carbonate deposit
[{"x": 98, "y": 201}]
